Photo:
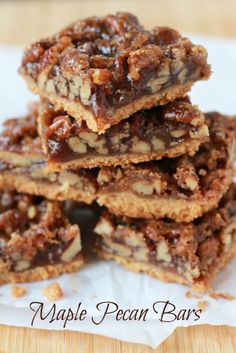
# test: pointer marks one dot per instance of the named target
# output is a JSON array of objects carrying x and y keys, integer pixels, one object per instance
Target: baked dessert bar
[
  {"x": 19, "y": 141},
  {"x": 182, "y": 188},
  {"x": 103, "y": 70},
  {"x": 23, "y": 165},
  {"x": 169, "y": 130},
  {"x": 188, "y": 253},
  {"x": 37, "y": 241}
]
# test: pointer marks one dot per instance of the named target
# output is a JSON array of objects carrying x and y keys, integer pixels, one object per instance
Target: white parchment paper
[{"x": 106, "y": 281}]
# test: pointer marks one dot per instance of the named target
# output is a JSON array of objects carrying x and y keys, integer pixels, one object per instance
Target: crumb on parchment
[
  {"x": 217, "y": 295},
  {"x": 212, "y": 294},
  {"x": 203, "y": 304},
  {"x": 17, "y": 291},
  {"x": 53, "y": 292},
  {"x": 192, "y": 294}
]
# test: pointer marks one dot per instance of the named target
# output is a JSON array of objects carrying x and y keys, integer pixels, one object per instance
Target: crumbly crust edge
[
  {"x": 25, "y": 184},
  {"x": 200, "y": 284},
  {"x": 41, "y": 272},
  {"x": 180, "y": 210}
]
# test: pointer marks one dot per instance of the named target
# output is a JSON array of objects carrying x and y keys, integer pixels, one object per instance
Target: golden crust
[
  {"x": 200, "y": 284},
  {"x": 137, "y": 267},
  {"x": 204, "y": 283},
  {"x": 41, "y": 272},
  {"x": 53, "y": 191},
  {"x": 136, "y": 206},
  {"x": 23, "y": 159}
]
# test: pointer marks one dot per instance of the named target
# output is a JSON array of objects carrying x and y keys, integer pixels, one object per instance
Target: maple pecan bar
[
  {"x": 103, "y": 70},
  {"x": 188, "y": 253},
  {"x": 23, "y": 165},
  {"x": 170, "y": 130},
  {"x": 19, "y": 140},
  {"x": 181, "y": 188},
  {"x": 37, "y": 241}
]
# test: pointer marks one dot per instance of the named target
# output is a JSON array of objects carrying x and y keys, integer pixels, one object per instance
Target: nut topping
[
  {"x": 61, "y": 127},
  {"x": 76, "y": 145},
  {"x": 147, "y": 57}
]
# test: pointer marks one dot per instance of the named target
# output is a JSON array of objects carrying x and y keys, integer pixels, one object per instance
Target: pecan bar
[
  {"x": 103, "y": 70},
  {"x": 19, "y": 140},
  {"x": 188, "y": 253},
  {"x": 169, "y": 130},
  {"x": 23, "y": 165},
  {"x": 37, "y": 241},
  {"x": 181, "y": 188}
]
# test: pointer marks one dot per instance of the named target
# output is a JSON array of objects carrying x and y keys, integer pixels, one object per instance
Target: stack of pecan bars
[{"x": 114, "y": 125}]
